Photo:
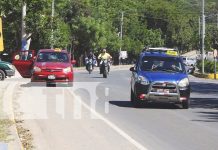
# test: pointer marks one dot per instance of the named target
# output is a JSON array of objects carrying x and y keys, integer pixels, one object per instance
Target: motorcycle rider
[
  {"x": 92, "y": 57},
  {"x": 104, "y": 56}
]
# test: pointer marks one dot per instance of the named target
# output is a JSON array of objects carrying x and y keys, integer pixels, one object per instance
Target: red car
[{"x": 49, "y": 65}]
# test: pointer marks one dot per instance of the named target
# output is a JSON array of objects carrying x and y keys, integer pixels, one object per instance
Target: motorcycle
[
  {"x": 105, "y": 68},
  {"x": 89, "y": 65}
]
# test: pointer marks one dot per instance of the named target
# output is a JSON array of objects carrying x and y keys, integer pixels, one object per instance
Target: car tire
[
  {"x": 105, "y": 74},
  {"x": 185, "y": 104},
  {"x": 2, "y": 75},
  {"x": 134, "y": 100}
]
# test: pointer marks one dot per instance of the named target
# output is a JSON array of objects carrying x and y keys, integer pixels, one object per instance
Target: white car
[{"x": 189, "y": 61}]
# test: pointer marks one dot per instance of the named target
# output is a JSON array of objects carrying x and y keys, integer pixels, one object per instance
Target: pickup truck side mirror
[{"x": 132, "y": 69}]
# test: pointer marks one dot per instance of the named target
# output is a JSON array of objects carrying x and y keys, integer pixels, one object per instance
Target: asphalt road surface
[{"x": 97, "y": 114}]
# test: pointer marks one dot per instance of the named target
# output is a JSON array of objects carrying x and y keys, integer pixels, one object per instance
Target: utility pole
[
  {"x": 217, "y": 20},
  {"x": 203, "y": 35},
  {"x": 199, "y": 33},
  {"x": 52, "y": 20},
  {"x": 23, "y": 25},
  {"x": 199, "y": 26},
  {"x": 25, "y": 38},
  {"x": 121, "y": 36}
]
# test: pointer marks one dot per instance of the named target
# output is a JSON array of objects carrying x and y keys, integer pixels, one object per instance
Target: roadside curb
[
  {"x": 15, "y": 143},
  {"x": 206, "y": 76},
  {"x": 212, "y": 76}
]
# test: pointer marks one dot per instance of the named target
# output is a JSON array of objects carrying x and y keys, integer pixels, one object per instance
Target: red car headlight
[
  {"x": 67, "y": 70},
  {"x": 37, "y": 69}
]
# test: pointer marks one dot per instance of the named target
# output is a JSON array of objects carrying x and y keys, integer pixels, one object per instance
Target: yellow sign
[
  {"x": 57, "y": 49},
  {"x": 1, "y": 36},
  {"x": 170, "y": 52}
]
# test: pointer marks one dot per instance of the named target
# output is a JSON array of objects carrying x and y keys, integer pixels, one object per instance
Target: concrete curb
[
  {"x": 15, "y": 143},
  {"x": 205, "y": 76},
  {"x": 212, "y": 76}
]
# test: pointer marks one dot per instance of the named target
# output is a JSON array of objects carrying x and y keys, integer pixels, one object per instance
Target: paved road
[
  {"x": 162, "y": 127},
  {"x": 63, "y": 118}
]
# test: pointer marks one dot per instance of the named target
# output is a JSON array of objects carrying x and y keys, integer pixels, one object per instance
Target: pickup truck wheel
[
  {"x": 2, "y": 75},
  {"x": 135, "y": 102},
  {"x": 185, "y": 104}
]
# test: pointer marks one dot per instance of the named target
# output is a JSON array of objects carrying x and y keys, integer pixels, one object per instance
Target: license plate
[
  {"x": 51, "y": 77},
  {"x": 163, "y": 90},
  {"x": 166, "y": 91}
]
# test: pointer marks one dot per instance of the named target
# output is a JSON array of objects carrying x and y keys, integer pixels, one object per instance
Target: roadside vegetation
[
  {"x": 25, "y": 136},
  {"x": 4, "y": 123},
  {"x": 81, "y": 25},
  {"x": 208, "y": 66},
  {"x": 4, "y": 129}
]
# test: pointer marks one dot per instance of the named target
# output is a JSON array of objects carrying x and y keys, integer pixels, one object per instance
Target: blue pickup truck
[{"x": 159, "y": 77}]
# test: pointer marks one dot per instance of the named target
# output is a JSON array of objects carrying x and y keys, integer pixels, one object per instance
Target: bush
[{"x": 208, "y": 66}]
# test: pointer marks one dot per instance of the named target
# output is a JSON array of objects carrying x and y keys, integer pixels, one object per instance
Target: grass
[
  {"x": 25, "y": 135},
  {"x": 5, "y": 124},
  {"x": 4, "y": 129}
]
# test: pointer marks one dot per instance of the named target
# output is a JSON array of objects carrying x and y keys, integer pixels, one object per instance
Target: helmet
[{"x": 104, "y": 50}]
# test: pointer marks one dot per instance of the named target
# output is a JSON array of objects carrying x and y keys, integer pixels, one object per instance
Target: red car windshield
[{"x": 52, "y": 57}]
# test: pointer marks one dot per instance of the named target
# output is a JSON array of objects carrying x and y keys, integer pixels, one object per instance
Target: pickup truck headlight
[
  {"x": 37, "y": 69},
  {"x": 184, "y": 83},
  {"x": 142, "y": 80},
  {"x": 67, "y": 70}
]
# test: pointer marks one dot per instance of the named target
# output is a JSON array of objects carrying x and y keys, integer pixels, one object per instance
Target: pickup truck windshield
[{"x": 166, "y": 64}]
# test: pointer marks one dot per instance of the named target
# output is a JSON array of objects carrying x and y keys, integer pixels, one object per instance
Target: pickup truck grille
[{"x": 165, "y": 87}]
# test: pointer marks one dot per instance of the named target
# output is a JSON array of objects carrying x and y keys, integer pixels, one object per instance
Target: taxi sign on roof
[
  {"x": 171, "y": 52},
  {"x": 168, "y": 51},
  {"x": 57, "y": 49}
]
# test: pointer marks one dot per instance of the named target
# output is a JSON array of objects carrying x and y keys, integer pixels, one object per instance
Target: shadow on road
[
  {"x": 42, "y": 84},
  {"x": 205, "y": 103},
  {"x": 146, "y": 105},
  {"x": 209, "y": 117},
  {"x": 33, "y": 84},
  {"x": 98, "y": 77},
  {"x": 204, "y": 88},
  {"x": 208, "y": 103}
]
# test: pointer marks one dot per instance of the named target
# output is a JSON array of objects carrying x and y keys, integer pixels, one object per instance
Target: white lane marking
[{"x": 113, "y": 126}]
